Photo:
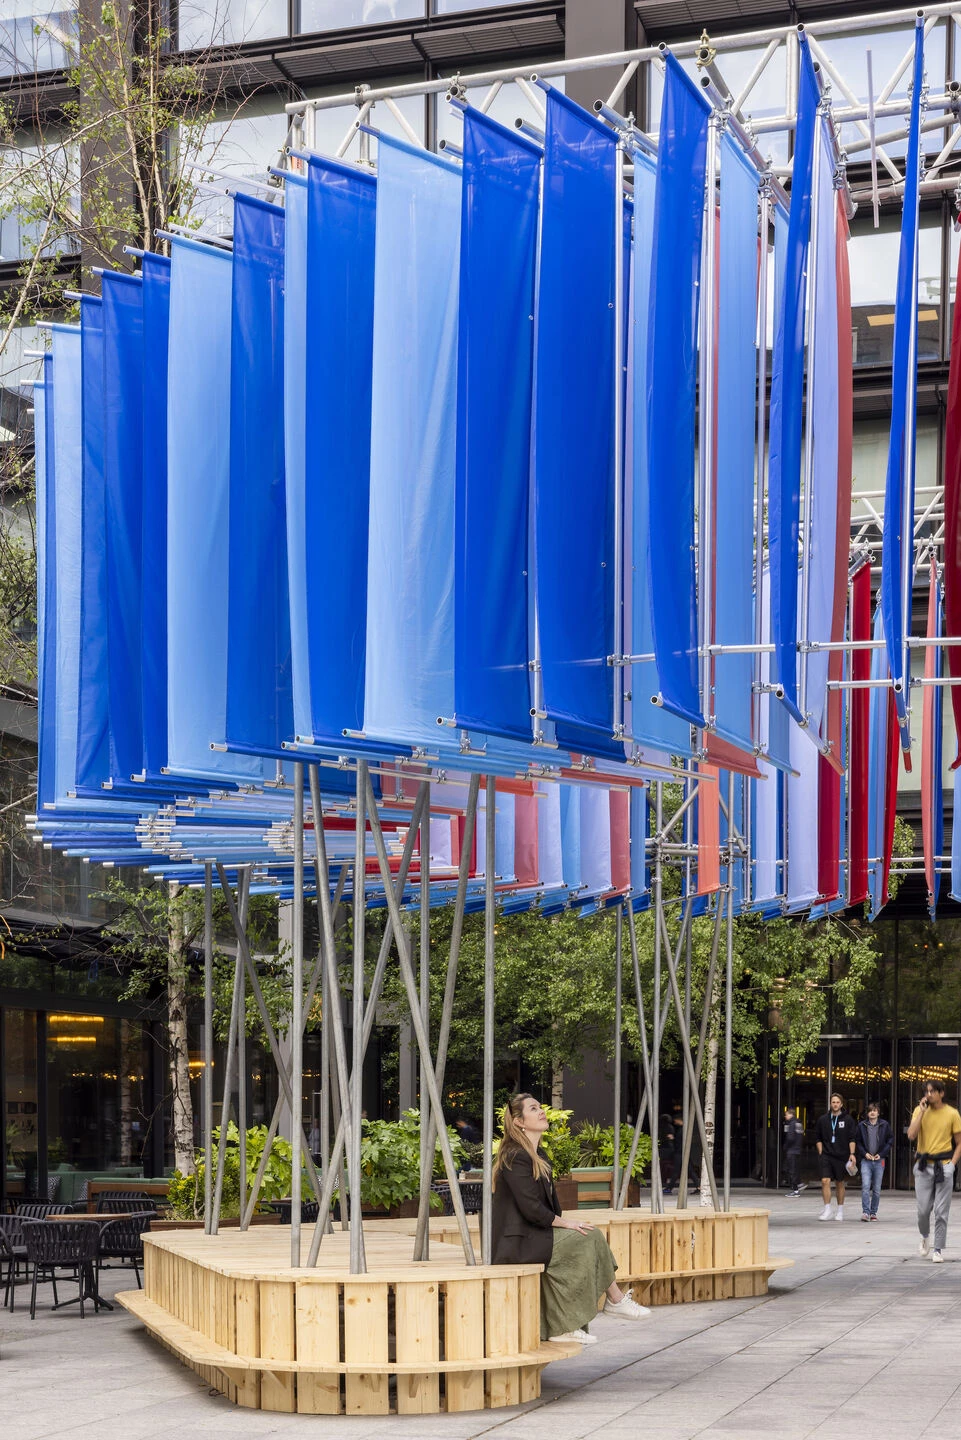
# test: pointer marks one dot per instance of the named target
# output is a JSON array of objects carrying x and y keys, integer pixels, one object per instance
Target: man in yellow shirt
[{"x": 936, "y": 1128}]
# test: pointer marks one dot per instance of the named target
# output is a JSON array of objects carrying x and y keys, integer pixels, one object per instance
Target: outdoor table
[{"x": 92, "y": 1291}]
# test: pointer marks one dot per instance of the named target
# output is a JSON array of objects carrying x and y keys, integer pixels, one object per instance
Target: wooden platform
[{"x": 405, "y": 1338}]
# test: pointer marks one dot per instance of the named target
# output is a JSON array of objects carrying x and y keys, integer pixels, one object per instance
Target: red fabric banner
[
  {"x": 829, "y": 829},
  {"x": 859, "y": 713},
  {"x": 620, "y": 840},
  {"x": 708, "y": 832},
  {"x": 928, "y": 702},
  {"x": 890, "y": 791},
  {"x": 526, "y": 866},
  {"x": 952, "y": 521}
]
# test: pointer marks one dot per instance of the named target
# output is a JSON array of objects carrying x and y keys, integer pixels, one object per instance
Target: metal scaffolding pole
[
  {"x": 729, "y": 993},
  {"x": 208, "y": 1091},
  {"x": 618, "y": 1023},
  {"x": 490, "y": 801},
  {"x": 657, "y": 900},
  {"x": 358, "y": 1262},
  {"x": 426, "y": 1145},
  {"x": 702, "y": 1041},
  {"x": 297, "y": 1021}
]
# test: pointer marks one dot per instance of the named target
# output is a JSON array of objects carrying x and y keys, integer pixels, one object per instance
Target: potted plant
[
  {"x": 595, "y": 1173},
  {"x": 562, "y": 1149},
  {"x": 390, "y": 1165},
  {"x": 185, "y": 1195}
]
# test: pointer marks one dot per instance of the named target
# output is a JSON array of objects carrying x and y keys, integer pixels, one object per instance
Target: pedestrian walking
[
  {"x": 793, "y": 1145},
  {"x": 936, "y": 1128},
  {"x": 834, "y": 1137},
  {"x": 872, "y": 1142}
]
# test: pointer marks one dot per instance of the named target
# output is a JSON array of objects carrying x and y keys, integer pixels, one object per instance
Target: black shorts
[{"x": 831, "y": 1167}]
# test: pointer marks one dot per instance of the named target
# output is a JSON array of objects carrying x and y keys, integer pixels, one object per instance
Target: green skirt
[{"x": 581, "y": 1269}]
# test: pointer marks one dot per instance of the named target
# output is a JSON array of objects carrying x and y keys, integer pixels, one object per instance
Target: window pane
[
  {"x": 229, "y": 22},
  {"x": 97, "y": 1115},
  {"x": 848, "y": 54},
  {"x": 316, "y": 15},
  {"x": 40, "y": 195},
  {"x": 765, "y": 99},
  {"x": 873, "y": 256},
  {"x": 244, "y": 144},
  {"x": 20, "y": 1091},
  {"x": 35, "y": 35}
]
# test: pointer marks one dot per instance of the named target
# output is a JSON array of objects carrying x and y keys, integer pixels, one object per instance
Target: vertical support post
[
  {"x": 702, "y": 1041},
  {"x": 243, "y": 889},
  {"x": 297, "y": 1021},
  {"x": 357, "y": 1262},
  {"x": 490, "y": 798},
  {"x": 686, "y": 1091},
  {"x": 706, "y": 429},
  {"x": 657, "y": 898},
  {"x": 426, "y": 1136},
  {"x": 208, "y": 1091},
  {"x": 618, "y": 722},
  {"x": 618, "y": 1025},
  {"x": 814, "y": 264},
  {"x": 326, "y": 1000},
  {"x": 229, "y": 1068},
  {"x": 645, "y": 1066},
  {"x": 729, "y": 992}
]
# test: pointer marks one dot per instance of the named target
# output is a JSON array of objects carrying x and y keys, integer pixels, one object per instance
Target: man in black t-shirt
[{"x": 834, "y": 1135}]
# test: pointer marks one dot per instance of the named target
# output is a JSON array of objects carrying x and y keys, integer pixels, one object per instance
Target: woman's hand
[{"x": 580, "y": 1225}]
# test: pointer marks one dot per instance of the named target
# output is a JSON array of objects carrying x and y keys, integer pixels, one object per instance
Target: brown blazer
[{"x": 523, "y": 1214}]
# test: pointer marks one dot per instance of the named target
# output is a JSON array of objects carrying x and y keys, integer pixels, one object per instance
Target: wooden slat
[
  {"x": 365, "y": 1343},
  {"x": 529, "y": 1333},
  {"x": 317, "y": 1320},
  {"x": 682, "y": 1235},
  {"x": 277, "y": 1342},
  {"x": 464, "y": 1340},
  {"x": 502, "y": 1323},
  {"x": 247, "y": 1330},
  {"x": 662, "y": 1255},
  {"x": 723, "y": 1257},
  {"x": 417, "y": 1330}
]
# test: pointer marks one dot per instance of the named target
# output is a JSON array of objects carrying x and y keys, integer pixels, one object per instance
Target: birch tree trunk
[
  {"x": 710, "y": 1101},
  {"x": 557, "y": 1087},
  {"x": 182, "y": 1114}
]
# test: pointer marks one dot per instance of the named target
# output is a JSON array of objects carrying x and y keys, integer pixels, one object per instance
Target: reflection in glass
[
  {"x": 316, "y": 15},
  {"x": 873, "y": 256},
  {"x": 37, "y": 36},
  {"x": 509, "y": 104},
  {"x": 736, "y": 67},
  {"x": 96, "y": 1095},
  {"x": 331, "y": 126},
  {"x": 21, "y": 1121},
  {"x": 244, "y": 142},
  {"x": 202, "y": 23},
  {"x": 848, "y": 54}
]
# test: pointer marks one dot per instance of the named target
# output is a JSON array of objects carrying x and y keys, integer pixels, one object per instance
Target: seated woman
[{"x": 528, "y": 1228}]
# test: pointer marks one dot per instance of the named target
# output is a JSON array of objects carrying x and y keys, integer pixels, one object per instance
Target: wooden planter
[
  {"x": 566, "y": 1189},
  {"x": 234, "y": 1224}
]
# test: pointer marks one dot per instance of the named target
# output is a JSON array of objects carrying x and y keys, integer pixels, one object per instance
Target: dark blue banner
[
  {"x": 93, "y": 756},
  {"x": 156, "y": 326}
]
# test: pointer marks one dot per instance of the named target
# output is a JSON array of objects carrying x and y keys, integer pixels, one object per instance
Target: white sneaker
[
  {"x": 581, "y": 1336},
  {"x": 626, "y": 1309},
  {"x": 839, "y": 1213},
  {"x": 936, "y": 1257},
  {"x": 924, "y": 1246},
  {"x": 826, "y": 1214}
]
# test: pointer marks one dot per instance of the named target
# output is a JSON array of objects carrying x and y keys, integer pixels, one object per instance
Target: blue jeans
[{"x": 872, "y": 1173}]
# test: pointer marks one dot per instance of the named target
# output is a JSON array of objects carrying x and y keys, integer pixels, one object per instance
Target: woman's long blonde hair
[{"x": 515, "y": 1139}]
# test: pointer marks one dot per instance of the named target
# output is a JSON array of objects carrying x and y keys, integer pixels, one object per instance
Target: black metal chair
[
  {"x": 309, "y": 1210},
  {"x": 40, "y": 1209},
  {"x": 63, "y": 1245},
  {"x": 122, "y": 1239},
  {"x": 14, "y": 1253},
  {"x": 122, "y": 1202},
  {"x": 8, "y": 1268},
  {"x": 471, "y": 1193}
]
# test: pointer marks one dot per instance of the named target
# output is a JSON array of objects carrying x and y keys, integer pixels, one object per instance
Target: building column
[{"x": 599, "y": 27}]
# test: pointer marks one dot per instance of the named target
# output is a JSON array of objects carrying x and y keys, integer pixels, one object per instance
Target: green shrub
[
  {"x": 186, "y": 1192},
  {"x": 597, "y": 1147},
  {"x": 390, "y": 1160}
]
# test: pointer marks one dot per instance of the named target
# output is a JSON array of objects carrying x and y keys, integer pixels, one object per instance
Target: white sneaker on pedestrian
[
  {"x": 826, "y": 1214},
  {"x": 924, "y": 1246},
  {"x": 839, "y": 1213},
  {"x": 626, "y": 1309},
  {"x": 801, "y": 1187},
  {"x": 580, "y": 1336},
  {"x": 936, "y": 1257}
]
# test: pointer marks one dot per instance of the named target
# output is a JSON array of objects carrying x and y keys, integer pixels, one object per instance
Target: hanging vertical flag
[
  {"x": 860, "y": 743},
  {"x": 574, "y": 563},
  {"x": 156, "y": 337},
  {"x": 932, "y": 799},
  {"x": 708, "y": 830},
  {"x": 93, "y": 755},
  {"x": 501, "y": 181},
  {"x": 897, "y": 555},
  {"x": 952, "y": 518},
  {"x": 672, "y": 384},
  {"x": 880, "y": 714},
  {"x": 259, "y": 703},
  {"x": 46, "y": 587},
  {"x": 787, "y": 393},
  {"x": 64, "y": 402}
]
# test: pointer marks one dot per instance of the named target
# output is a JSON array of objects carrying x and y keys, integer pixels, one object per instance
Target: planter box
[
  {"x": 234, "y": 1224},
  {"x": 594, "y": 1188},
  {"x": 406, "y": 1210},
  {"x": 566, "y": 1189}
]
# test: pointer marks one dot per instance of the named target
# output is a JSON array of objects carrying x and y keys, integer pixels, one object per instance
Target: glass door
[{"x": 20, "y": 1105}]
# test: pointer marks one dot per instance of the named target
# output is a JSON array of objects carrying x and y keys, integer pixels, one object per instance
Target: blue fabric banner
[
  {"x": 501, "y": 181},
  {"x": 46, "y": 588},
  {"x": 787, "y": 391},
  {"x": 153, "y": 611},
  {"x": 410, "y": 646},
  {"x": 821, "y": 507},
  {"x": 877, "y": 773},
  {"x": 733, "y": 703},
  {"x": 672, "y": 381},
  {"x": 67, "y": 478},
  {"x": 295, "y": 442},
  {"x": 259, "y": 703},
  {"x": 198, "y": 463},
  {"x": 574, "y": 427},
  {"x": 93, "y": 755},
  {"x": 123, "y": 384},
  {"x": 341, "y": 219},
  {"x": 897, "y": 553},
  {"x": 650, "y": 724}
]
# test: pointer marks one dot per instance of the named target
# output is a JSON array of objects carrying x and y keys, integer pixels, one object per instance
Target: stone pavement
[{"x": 862, "y": 1334}]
